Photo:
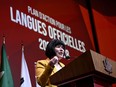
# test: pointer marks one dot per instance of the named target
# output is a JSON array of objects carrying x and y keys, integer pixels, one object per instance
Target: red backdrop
[
  {"x": 17, "y": 19},
  {"x": 72, "y": 13}
]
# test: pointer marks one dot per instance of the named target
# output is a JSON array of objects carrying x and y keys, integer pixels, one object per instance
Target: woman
[{"x": 55, "y": 51}]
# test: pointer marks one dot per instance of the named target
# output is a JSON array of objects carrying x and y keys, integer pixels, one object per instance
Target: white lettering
[
  {"x": 11, "y": 14},
  {"x": 42, "y": 44},
  {"x": 67, "y": 39},
  {"x": 28, "y": 21},
  {"x": 48, "y": 19}
]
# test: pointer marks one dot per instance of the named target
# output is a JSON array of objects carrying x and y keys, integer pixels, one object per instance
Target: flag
[
  {"x": 37, "y": 85},
  {"x": 25, "y": 77},
  {"x": 6, "y": 79}
]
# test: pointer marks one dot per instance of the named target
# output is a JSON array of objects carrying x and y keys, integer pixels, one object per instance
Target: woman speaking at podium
[{"x": 55, "y": 51}]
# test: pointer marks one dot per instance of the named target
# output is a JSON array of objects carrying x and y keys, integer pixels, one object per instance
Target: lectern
[{"x": 90, "y": 69}]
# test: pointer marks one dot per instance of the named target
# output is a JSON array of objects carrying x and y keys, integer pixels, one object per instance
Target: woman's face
[{"x": 59, "y": 50}]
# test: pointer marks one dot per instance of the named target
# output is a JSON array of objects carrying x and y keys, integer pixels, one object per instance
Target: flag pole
[
  {"x": 25, "y": 80},
  {"x": 3, "y": 39},
  {"x": 22, "y": 50},
  {"x": 22, "y": 47}
]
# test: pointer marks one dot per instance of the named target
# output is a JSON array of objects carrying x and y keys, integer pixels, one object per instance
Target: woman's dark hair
[{"x": 50, "y": 49}]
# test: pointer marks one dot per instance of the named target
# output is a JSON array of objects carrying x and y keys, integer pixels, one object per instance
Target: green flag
[{"x": 5, "y": 72}]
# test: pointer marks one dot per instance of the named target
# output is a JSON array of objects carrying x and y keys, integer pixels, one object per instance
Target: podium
[{"x": 90, "y": 69}]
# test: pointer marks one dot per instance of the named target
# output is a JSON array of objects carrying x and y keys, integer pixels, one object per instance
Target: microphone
[{"x": 67, "y": 55}]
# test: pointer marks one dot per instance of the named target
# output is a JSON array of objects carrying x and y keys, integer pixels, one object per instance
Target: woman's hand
[{"x": 53, "y": 61}]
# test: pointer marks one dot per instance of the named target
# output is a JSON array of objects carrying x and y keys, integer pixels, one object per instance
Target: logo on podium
[{"x": 107, "y": 65}]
